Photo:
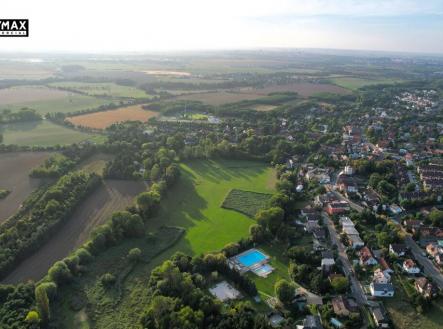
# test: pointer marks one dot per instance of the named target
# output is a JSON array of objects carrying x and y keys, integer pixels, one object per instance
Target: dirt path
[
  {"x": 14, "y": 176},
  {"x": 113, "y": 195}
]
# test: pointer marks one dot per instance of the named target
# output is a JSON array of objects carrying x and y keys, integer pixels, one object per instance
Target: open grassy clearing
[
  {"x": 246, "y": 202},
  {"x": 14, "y": 177},
  {"x": 356, "y": 83},
  {"x": 107, "y": 89},
  {"x": 194, "y": 203},
  {"x": 101, "y": 120},
  {"x": 47, "y": 100},
  {"x": 44, "y": 133},
  {"x": 404, "y": 315},
  {"x": 96, "y": 163},
  {"x": 112, "y": 196},
  {"x": 86, "y": 304}
]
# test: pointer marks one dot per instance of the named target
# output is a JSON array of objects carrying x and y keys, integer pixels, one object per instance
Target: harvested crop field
[
  {"x": 304, "y": 89},
  {"x": 14, "y": 177},
  {"x": 102, "y": 120},
  {"x": 221, "y": 97},
  {"x": 24, "y": 94},
  {"x": 112, "y": 196}
]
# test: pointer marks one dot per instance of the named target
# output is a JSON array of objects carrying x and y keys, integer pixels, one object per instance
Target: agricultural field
[
  {"x": 352, "y": 83},
  {"x": 102, "y": 120},
  {"x": 14, "y": 177},
  {"x": 25, "y": 70},
  {"x": 217, "y": 98},
  {"x": 304, "y": 89},
  {"x": 47, "y": 100},
  {"x": 246, "y": 202},
  {"x": 112, "y": 196},
  {"x": 105, "y": 89},
  {"x": 44, "y": 133}
]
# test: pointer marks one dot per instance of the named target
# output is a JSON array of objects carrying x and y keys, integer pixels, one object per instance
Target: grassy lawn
[
  {"x": 195, "y": 203},
  {"x": 70, "y": 103},
  {"x": 356, "y": 83},
  {"x": 107, "y": 89},
  {"x": 246, "y": 202},
  {"x": 43, "y": 133}
]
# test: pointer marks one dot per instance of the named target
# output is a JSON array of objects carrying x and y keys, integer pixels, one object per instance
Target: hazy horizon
[{"x": 407, "y": 26}]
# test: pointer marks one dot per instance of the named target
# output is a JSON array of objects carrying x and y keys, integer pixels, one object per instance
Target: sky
[{"x": 145, "y": 25}]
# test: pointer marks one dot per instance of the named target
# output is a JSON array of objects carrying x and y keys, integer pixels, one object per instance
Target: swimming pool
[{"x": 251, "y": 258}]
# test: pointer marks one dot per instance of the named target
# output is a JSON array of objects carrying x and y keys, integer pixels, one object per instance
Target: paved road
[
  {"x": 356, "y": 288},
  {"x": 428, "y": 267}
]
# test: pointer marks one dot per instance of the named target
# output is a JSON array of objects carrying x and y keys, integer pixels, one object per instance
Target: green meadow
[
  {"x": 195, "y": 203},
  {"x": 44, "y": 133}
]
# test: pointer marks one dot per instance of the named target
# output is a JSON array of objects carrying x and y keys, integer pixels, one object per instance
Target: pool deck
[{"x": 260, "y": 268}]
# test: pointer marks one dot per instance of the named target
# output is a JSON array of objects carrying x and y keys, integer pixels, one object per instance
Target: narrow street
[{"x": 356, "y": 288}]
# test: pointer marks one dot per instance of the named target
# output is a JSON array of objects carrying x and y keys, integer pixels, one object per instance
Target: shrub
[{"x": 134, "y": 254}]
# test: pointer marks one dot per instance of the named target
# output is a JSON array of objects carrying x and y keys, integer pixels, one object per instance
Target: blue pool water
[{"x": 251, "y": 258}]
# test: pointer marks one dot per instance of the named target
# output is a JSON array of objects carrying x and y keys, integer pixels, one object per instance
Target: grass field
[
  {"x": 195, "y": 203},
  {"x": 404, "y": 316},
  {"x": 47, "y": 100},
  {"x": 106, "y": 89},
  {"x": 96, "y": 163},
  {"x": 246, "y": 202},
  {"x": 356, "y": 83},
  {"x": 101, "y": 120},
  {"x": 44, "y": 133},
  {"x": 14, "y": 176},
  {"x": 112, "y": 196}
]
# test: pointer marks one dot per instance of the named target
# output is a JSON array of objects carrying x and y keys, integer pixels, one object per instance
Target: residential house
[
  {"x": 430, "y": 235},
  {"x": 327, "y": 261},
  {"x": 432, "y": 250},
  {"x": 355, "y": 241},
  {"x": 346, "y": 184},
  {"x": 425, "y": 288},
  {"x": 337, "y": 207},
  {"x": 397, "y": 249},
  {"x": 312, "y": 322},
  {"x": 366, "y": 257},
  {"x": 412, "y": 225},
  {"x": 381, "y": 289},
  {"x": 344, "y": 306},
  {"x": 381, "y": 277},
  {"x": 380, "y": 317},
  {"x": 410, "y": 267},
  {"x": 385, "y": 266}
]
